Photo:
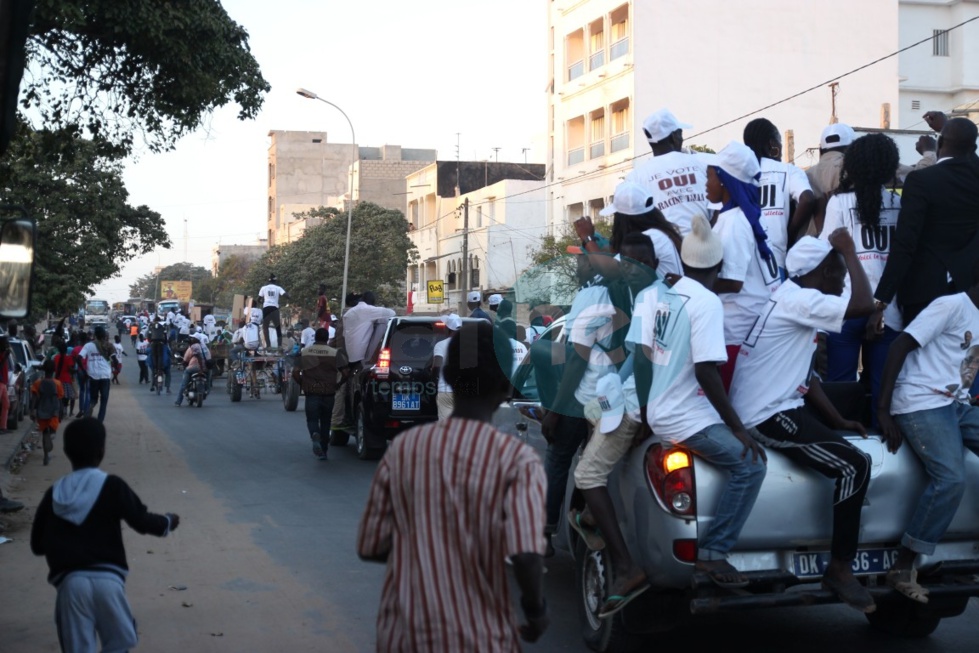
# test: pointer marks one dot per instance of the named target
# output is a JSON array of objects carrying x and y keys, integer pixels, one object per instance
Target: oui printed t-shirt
[
  {"x": 781, "y": 183},
  {"x": 270, "y": 294},
  {"x": 677, "y": 182}
]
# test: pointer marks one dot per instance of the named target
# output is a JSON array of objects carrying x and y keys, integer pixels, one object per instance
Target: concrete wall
[{"x": 221, "y": 253}]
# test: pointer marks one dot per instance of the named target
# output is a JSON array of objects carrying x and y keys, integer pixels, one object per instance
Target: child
[
  {"x": 142, "y": 352},
  {"x": 117, "y": 361},
  {"x": 77, "y": 530},
  {"x": 46, "y": 406},
  {"x": 64, "y": 371}
]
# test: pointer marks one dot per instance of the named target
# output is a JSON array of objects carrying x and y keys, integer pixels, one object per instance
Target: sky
[{"x": 411, "y": 74}]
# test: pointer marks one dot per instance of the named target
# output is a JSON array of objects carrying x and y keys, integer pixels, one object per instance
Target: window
[
  {"x": 916, "y": 105},
  {"x": 474, "y": 272},
  {"x": 619, "y": 20},
  {"x": 596, "y": 148},
  {"x": 596, "y": 45},
  {"x": 479, "y": 217},
  {"x": 575, "y": 54},
  {"x": 620, "y": 125},
  {"x": 576, "y": 140},
  {"x": 939, "y": 43}
]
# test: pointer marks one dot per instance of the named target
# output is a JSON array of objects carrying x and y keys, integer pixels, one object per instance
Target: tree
[
  {"x": 380, "y": 253},
  {"x": 157, "y": 69},
  {"x": 148, "y": 285},
  {"x": 86, "y": 228},
  {"x": 552, "y": 278},
  {"x": 231, "y": 281}
]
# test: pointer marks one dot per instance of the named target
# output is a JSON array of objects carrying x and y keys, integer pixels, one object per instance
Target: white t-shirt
[
  {"x": 142, "y": 349},
  {"x": 442, "y": 349},
  {"x": 170, "y": 317},
  {"x": 589, "y": 324},
  {"x": 250, "y": 335},
  {"x": 943, "y": 368},
  {"x": 96, "y": 366},
  {"x": 678, "y": 183},
  {"x": 183, "y": 324},
  {"x": 873, "y": 244},
  {"x": 519, "y": 351},
  {"x": 255, "y": 315},
  {"x": 270, "y": 294},
  {"x": 775, "y": 362},
  {"x": 307, "y": 337},
  {"x": 780, "y": 184},
  {"x": 743, "y": 262},
  {"x": 682, "y": 326},
  {"x": 666, "y": 253},
  {"x": 119, "y": 351}
]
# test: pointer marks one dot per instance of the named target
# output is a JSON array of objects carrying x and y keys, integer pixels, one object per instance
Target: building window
[
  {"x": 479, "y": 217},
  {"x": 575, "y": 54},
  {"x": 596, "y": 146},
  {"x": 916, "y": 105},
  {"x": 620, "y": 126},
  {"x": 576, "y": 140},
  {"x": 596, "y": 45},
  {"x": 619, "y": 20},
  {"x": 474, "y": 272},
  {"x": 270, "y": 207},
  {"x": 939, "y": 43}
]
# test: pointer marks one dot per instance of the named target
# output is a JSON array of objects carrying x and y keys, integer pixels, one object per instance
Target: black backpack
[{"x": 48, "y": 404}]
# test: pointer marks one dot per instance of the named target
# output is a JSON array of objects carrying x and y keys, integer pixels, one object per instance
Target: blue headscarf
[{"x": 746, "y": 197}]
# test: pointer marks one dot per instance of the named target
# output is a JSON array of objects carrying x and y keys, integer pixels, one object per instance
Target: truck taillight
[
  {"x": 383, "y": 367},
  {"x": 670, "y": 474}
]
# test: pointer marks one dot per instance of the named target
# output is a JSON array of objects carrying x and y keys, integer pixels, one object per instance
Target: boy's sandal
[
  {"x": 905, "y": 581},
  {"x": 589, "y": 535}
]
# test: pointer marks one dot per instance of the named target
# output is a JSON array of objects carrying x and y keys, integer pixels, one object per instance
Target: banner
[
  {"x": 436, "y": 292},
  {"x": 180, "y": 290}
]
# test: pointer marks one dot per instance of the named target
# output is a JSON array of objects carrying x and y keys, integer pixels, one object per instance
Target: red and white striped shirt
[{"x": 449, "y": 503}]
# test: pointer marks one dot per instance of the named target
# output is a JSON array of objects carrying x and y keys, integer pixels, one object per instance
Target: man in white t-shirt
[
  {"x": 210, "y": 327},
  {"x": 439, "y": 354},
  {"x": 925, "y": 386},
  {"x": 308, "y": 335},
  {"x": 270, "y": 294},
  {"x": 776, "y": 394},
  {"x": 674, "y": 178}
]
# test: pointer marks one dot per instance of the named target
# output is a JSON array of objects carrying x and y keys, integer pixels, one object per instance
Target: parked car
[
  {"x": 395, "y": 389},
  {"x": 663, "y": 497},
  {"x": 25, "y": 368}
]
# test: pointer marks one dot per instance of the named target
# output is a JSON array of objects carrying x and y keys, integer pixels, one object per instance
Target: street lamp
[{"x": 350, "y": 207}]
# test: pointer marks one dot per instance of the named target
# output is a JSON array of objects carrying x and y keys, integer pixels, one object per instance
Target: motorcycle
[{"x": 196, "y": 390}]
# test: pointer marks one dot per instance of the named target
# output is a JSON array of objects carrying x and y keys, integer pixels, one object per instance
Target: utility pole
[
  {"x": 525, "y": 150},
  {"x": 496, "y": 154},
  {"x": 834, "y": 89},
  {"x": 465, "y": 251}
]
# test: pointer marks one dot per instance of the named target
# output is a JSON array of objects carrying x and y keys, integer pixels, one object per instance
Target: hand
[
  {"x": 751, "y": 445},
  {"x": 174, "y": 520},
  {"x": 852, "y": 425},
  {"x": 889, "y": 430},
  {"x": 935, "y": 119},
  {"x": 875, "y": 326},
  {"x": 841, "y": 241},
  {"x": 584, "y": 227},
  {"x": 536, "y": 624},
  {"x": 548, "y": 425}
]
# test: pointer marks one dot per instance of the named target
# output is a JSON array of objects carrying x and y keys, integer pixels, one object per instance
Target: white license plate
[
  {"x": 411, "y": 401},
  {"x": 868, "y": 561}
]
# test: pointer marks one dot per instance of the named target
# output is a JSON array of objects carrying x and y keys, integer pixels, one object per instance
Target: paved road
[{"x": 302, "y": 514}]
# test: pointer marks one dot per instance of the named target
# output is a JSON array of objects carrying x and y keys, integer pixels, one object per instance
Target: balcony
[
  {"x": 620, "y": 142},
  {"x": 597, "y": 60},
  {"x": 577, "y": 155},
  {"x": 576, "y": 70},
  {"x": 596, "y": 150},
  {"x": 619, "y": 49}
]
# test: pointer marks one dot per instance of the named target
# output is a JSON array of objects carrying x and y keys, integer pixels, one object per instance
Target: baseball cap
[
  {"x": 838, "y": 135},
  {"x": 474, "y": 297},
  {"x": 661, "y": 124},
  {"x": 611, "y": 400},
  {"x": 701, "y": 248},
  {"x": 630, "y": 199},
  {"x": 452, "y": 322},
  {"x": 737, "y": 160},
  {"x": 495, "y": 300},
  {"x": 806, "y": 255}
]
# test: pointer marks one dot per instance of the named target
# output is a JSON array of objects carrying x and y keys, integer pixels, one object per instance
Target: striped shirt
[{"x": 449, "y": 503}]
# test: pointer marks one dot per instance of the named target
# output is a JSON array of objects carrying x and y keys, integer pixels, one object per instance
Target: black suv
[{"x": 396, "y": 389}]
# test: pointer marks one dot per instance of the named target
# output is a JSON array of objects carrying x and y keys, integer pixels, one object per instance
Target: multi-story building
[
  {"x": 613, "y": 62},
  {"x": 306, "y": 172},
  {"x": 222, "y": 252},
  {"x": 507, "y": 219}
]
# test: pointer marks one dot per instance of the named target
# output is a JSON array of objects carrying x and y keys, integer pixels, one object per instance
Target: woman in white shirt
[{"x": 868, "y": 210}]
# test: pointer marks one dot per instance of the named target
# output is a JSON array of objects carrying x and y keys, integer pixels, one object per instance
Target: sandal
[
  {"x": 722, "y": 573},
  {"x": 851, "y": 592},
  {"x": 589, "y": 535},
  {"x": 616, "y": 602},
  {"x": 905, "y": 581}
]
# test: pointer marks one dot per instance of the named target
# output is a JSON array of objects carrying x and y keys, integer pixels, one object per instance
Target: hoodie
[{"x": 78, "y": 524}]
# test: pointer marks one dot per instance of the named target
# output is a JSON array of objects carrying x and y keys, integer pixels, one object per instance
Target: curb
[{"x": 19, "y": 445}]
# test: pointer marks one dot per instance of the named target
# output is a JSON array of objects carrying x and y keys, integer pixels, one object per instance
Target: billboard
[
  {"x": 179, "y": 290},
  {"x": 436, "y": 292}
]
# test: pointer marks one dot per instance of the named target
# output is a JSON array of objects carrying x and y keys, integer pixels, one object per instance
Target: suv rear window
[{"x": 413, "y": 342}]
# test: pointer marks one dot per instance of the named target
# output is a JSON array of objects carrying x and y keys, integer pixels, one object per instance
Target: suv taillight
[
  {"x": 383, "y": 367},
  {"x": 670, "y": 474}
]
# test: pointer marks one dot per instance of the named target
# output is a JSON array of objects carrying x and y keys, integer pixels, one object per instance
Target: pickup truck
[{"x": 663, "y": 499}]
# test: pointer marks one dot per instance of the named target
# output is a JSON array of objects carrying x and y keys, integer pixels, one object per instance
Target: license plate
[
  {"x": 868, "y": 561},
  {"x": 411, "y": 401}
]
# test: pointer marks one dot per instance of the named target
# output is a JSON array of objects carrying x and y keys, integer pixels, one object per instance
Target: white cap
[
  {"x": 737, "y": 160},
  {"x": 452, "y": 322},
  {"x": 661, "y": 124},
  {"x": 474, "y": 297},
  {"x": 611, "y": 400},
  {"x": 806, "y": 255},
  {"x": 701, "y": 248},
  {"x": 630, "y": 199},
  {"x": 201, "y": 337},
  {"x": 495, "y": 300},
  {"x": 838, "y": 135}
]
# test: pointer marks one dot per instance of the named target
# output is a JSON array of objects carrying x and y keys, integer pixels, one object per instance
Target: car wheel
[
  {"x": 235, "y": 389},
  {"x": 900, "y": 616},
  {"x": 593, "y": 578},
  {"x": 290, "y": 396},
  {"x": 364, "y": 438}
]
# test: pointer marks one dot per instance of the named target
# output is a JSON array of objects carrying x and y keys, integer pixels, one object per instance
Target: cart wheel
[
  {"x": 235, "y": 390},
  {"x": 290, "y": 396}
]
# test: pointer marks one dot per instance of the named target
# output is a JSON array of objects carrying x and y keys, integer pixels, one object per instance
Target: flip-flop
[
  {"x": 905, "y": 581},
  {"x": 590, "y": 536},
  {"x": 728, "y": 569},
  {"x": 616, "y": 602}
]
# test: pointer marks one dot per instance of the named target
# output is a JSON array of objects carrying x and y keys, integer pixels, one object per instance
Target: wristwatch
[
  {"x": 588, "y": 239},
  {"x": 879, "y": 305}
]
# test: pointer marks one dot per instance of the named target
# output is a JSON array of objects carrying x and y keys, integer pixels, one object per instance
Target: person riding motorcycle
[
  {"x": 194, "y": 362},
  {"x": 158, "y": 344}
]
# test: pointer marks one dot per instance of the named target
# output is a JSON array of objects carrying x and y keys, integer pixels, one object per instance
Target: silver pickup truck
[{"x": 664, "y": 498}]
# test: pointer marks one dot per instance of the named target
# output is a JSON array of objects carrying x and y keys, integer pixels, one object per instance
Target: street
[{"x": 264, "y": 559}]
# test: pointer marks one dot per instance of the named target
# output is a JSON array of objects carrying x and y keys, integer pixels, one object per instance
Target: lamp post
[{"x": 350, "y": 207}]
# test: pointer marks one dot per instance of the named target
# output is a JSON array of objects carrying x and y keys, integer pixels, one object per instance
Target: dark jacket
[
  {"x": 937, "y": 235},
  {"x": 317, "y": 369}
]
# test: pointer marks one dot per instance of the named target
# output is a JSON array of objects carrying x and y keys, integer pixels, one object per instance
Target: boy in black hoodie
[{"x": 77, "y": 529}]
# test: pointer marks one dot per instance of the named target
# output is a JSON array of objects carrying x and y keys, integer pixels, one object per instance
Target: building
[
  {"x": 507, "y": 218},
  {"x": 306, "y": 172},
  {"x": 613, "y": 62},
  {"x": 221, "y": 253}
]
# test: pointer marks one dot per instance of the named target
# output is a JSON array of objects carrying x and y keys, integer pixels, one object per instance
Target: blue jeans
[
  {"x": 98, "y": 391},
  {"x": 843, "y": 355},
  {"x": 319, "y": 412},
  {"x": 570, "y": 433},
  {"x": 938, "y": 436},
  {"x": 184, "y": 382},
  {"x": 718, "y": 446},
  {"x": 84, "y": 399}
]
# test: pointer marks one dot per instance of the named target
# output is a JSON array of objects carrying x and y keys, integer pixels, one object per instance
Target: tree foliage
[
  {"x": 231, "y": 280},
  {"x": 552, "y": 276},
  {"x": 117, "y": 68},
  {"x": 148, "y": 285},
  {"x": 86, "y": 228},
  {"x": 380, "y": 253}
]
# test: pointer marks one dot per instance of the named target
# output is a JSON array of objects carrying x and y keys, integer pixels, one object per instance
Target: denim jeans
[
  {"x": 938, "y": 436},
  {"x": 84, "y": 399},
  {"x": 184, "y": 382},
  {"x": 319, "y": 412},
  {"x": 570, "y": 433},
  {"x": 98, "y": 391},
  {"x": 843, "y": 355},
  {"x": 718, "y": 446}
]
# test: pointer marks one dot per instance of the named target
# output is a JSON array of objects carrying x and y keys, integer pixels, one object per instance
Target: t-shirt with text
[
  {"x": 589, "y": 324},
  {"x": 270, "y": 294},
  {"x": 780, "y": 184},
  {"x": 678, "y": 183}
]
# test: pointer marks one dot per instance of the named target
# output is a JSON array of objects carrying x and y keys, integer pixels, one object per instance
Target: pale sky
[{"x": 411, "y": 74}]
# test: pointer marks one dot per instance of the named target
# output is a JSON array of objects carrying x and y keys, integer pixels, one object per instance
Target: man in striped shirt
[{"x": 449, "y": 503}]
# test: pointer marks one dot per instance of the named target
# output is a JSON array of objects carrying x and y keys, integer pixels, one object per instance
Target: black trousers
[
  {"x": 319, "y": 412},
  {"x": 810, "y": 443},
  {"x": 271, "y": 314}
]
